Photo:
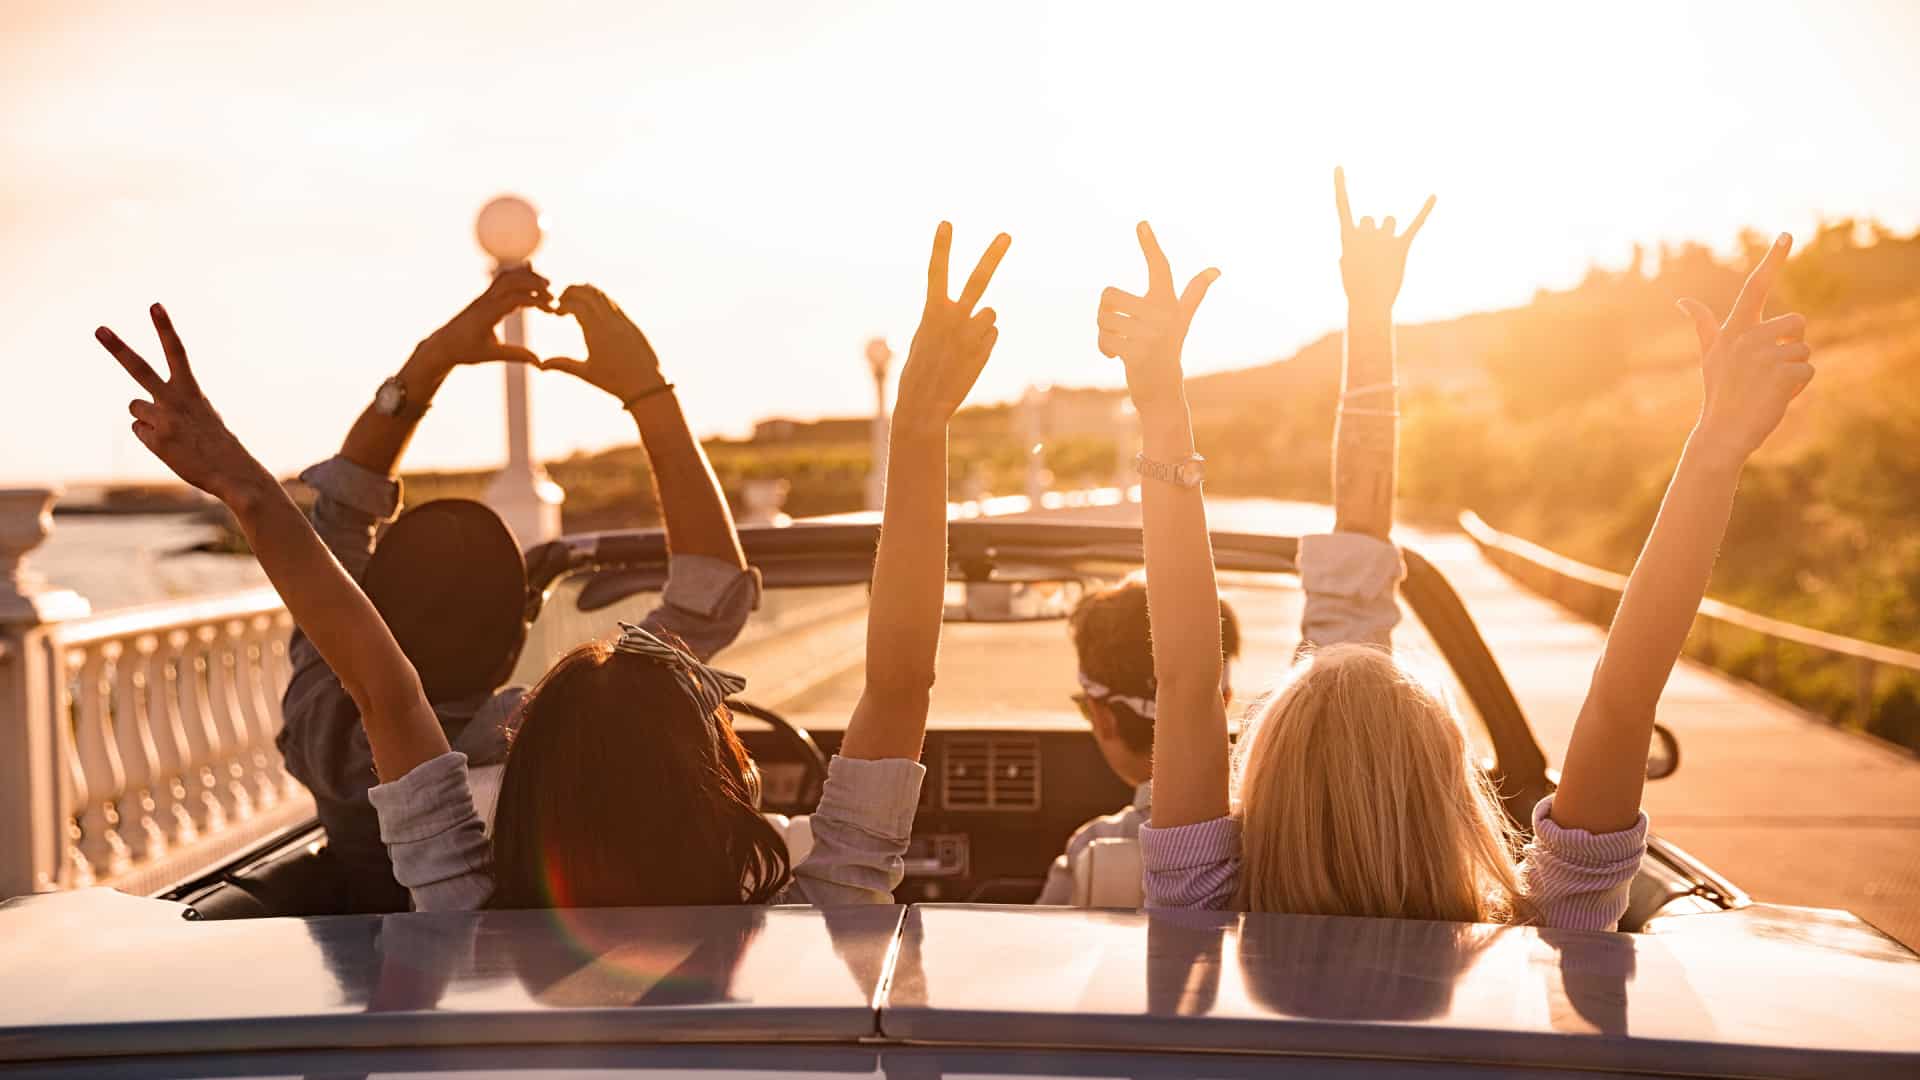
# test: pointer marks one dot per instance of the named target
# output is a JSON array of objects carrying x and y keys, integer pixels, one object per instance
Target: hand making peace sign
[
  {"x": 1752, "y": 368},
  {"x": 180, "y": 425},
  {"x": 953, "y": 341},
  {"x": 1372, "y": 259},
  {"x": 1147, "y": 332}
]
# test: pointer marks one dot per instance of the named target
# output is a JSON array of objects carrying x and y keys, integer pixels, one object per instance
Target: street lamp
[
  {"x": 879, "y": 358},
  {"x": 508, "y": 229},
  {"x": 1035, "y": 404}
]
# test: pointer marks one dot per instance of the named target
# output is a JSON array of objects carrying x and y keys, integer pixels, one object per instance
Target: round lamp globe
[
  {"x": 508, "y": 229},
  {"x": 879, "y": 355}
]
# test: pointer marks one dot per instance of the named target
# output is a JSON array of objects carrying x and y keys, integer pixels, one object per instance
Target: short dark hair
[
  {"x": 619, "y": 792},
  {"x": 449, "y": 579},
  {"x": 1113, "y": 639}
]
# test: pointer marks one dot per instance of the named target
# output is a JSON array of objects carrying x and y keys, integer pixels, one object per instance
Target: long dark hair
[{"x": 619, "y": 792}]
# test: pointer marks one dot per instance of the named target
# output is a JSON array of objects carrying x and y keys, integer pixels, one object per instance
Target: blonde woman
[{"x": 1354, "y": 792}]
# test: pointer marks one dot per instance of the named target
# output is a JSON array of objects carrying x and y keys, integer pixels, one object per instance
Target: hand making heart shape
[{"x": 619, "y": 360}]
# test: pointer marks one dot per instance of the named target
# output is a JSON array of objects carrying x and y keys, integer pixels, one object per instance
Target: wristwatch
[
  {"x": 1190, "y": 472},
  {"x": 391, "y": 398}
]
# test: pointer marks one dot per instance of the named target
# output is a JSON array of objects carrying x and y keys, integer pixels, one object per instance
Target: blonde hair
[{"x": 1357, "y": 795}]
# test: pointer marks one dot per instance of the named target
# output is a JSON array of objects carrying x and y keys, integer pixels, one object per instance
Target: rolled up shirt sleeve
[
  {"x": 435, "y": 837},
  {"x": 320, "y": 737},
  {"x": 350, "y": 504},
  {"x": 1580, "y": 880},
  {"x": 1191, "y": 866},
  {"x": 1351, "y": 581},
  {"x": 860, "y": 832},
  {"x": 706, "y": 603}
]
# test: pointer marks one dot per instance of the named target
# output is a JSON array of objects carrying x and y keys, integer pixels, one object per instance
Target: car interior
[{"x": 1012, "y": 771}]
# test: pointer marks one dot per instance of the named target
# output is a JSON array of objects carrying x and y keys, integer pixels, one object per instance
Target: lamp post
[
  {"x": 508, "y": 229},
  {"x": 1035, "y": 406},
  {"x": 879, "y": 358}
]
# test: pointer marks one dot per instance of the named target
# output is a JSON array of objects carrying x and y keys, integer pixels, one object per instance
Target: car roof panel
[
  {"x": 109, "y": 974},
  {"x": 1770, "y": 996}
]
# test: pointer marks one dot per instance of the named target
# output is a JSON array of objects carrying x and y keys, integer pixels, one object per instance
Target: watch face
[{"x": 390, "y": 397}]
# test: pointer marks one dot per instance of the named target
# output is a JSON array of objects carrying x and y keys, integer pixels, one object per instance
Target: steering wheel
[{"x": 802, "y": 749}]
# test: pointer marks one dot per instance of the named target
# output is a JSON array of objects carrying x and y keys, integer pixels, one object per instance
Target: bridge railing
[
  {"x": 1750, "y": 645},
  {"x": 136, "y": 747}
]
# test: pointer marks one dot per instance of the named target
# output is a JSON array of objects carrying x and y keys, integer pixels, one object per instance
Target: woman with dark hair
[
  {"x": 625, "y": 784},
  {"x": 454, "y": 562}
]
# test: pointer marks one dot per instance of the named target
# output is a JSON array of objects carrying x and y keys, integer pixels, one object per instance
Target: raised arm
[
  {"x": 380, "y": 435},
  {"x": 1366, "y": 434},
  {"x": 182, "y": 429},
  {"x": 1190, "y": 733},
  {"x": 948, "y": 352},
  {"x": 622, "y": 362},
  {"x": 1753, "y": 369}
]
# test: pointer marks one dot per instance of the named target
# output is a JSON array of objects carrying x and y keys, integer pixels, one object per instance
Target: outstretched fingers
[
  {"x": 1753, "y": 295},
  {"x": 983, "y": 272},
  {"x": 1705, "y": 326},
  {"x": 1159, "y": 273},
  {"x": 177, "y": 367},
  {"x": 1419, "y": 219},
  {"x": 937, "y": 264},
  {"x": 1196, "y": 291},
  {"x": 1340, "y": 200},
  {"x": 142, "y": 372}
]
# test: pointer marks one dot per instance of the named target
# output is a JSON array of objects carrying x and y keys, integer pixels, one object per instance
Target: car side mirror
[{"x": 1663, "y": 754}]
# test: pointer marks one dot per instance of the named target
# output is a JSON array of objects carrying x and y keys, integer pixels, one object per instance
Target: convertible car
[{"x": 255, "y": 969}]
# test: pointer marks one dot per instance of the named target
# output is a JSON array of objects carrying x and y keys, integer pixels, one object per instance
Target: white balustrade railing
[{"x": 136, "y": 747}]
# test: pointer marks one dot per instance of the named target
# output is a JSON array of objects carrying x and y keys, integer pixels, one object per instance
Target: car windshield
[{"x": 802, "y": 651}]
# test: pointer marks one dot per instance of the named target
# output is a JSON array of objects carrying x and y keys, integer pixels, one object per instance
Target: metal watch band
[{"x": 1189, "y": 472}]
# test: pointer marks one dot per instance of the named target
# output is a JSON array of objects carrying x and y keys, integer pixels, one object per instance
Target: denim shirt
[{"x": 706, "y": 603}]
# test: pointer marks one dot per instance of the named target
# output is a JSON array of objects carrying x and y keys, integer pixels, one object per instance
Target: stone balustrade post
[{"x": 36, "y": 794}]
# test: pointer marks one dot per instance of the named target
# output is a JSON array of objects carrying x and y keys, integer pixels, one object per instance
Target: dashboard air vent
[{"x": 990, "y": 772}]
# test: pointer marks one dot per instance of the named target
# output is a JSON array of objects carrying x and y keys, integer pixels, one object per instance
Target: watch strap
[{"x": 1188, "y": 472}]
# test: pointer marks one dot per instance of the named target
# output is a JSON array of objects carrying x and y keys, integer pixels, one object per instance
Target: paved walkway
[{"x": 1787, "y": 807}]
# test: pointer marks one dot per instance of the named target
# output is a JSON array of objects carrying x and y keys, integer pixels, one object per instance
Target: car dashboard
[{"x": 997, "y": 806}]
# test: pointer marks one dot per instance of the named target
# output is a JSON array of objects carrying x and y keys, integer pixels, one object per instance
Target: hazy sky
[{"x": 758, "y": 182}]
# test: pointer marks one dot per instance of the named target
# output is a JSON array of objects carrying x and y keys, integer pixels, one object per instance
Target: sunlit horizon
[{"x": 758, "y": 185}]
